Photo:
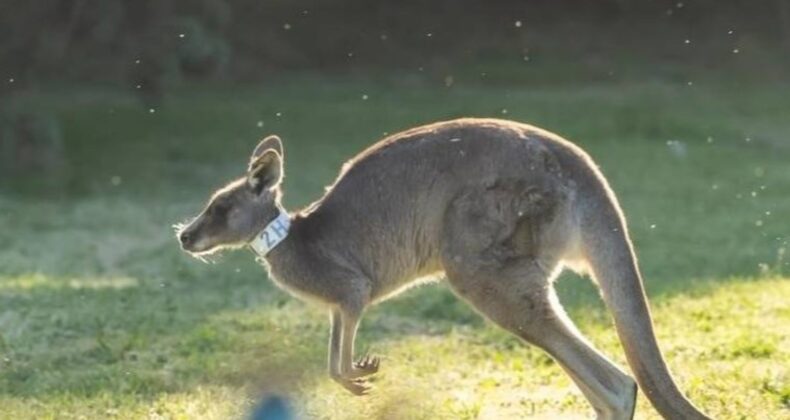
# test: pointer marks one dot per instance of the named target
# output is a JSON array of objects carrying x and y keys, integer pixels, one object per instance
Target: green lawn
[{"x": 102, "y": 316}]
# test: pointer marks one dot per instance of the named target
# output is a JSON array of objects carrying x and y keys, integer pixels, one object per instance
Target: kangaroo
[{"x": 498, "y": 207}]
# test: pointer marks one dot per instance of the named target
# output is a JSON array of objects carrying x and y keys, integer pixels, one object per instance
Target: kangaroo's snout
[
  {"x": 189, "y": 237},
  {"x": 186, "y": 240}
]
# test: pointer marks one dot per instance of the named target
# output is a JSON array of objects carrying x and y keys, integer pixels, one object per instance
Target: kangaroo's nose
[{"x": 184, "y": 237}]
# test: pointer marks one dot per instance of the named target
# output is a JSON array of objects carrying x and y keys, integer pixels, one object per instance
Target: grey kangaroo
[{"x": 498, "y": 207}]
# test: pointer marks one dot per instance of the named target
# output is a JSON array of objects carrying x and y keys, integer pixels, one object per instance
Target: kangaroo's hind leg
[
  {"x": 521, "y": 299},
  {"x": 500, "y": 248}
]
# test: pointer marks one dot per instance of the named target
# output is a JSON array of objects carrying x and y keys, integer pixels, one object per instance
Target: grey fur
[{"x": 496, "y": 206}]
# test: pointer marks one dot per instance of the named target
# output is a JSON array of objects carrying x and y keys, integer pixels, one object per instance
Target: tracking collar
[{"x": 274, "y": 233}]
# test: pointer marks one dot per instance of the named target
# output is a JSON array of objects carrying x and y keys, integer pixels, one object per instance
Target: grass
[{"x": 102, "y": 316}]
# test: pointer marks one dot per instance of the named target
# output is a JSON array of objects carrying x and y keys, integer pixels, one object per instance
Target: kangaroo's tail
[{"x": 610, "y": 256}]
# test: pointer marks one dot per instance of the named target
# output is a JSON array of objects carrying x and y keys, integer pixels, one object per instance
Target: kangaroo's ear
[
  {"x": 270, "y": 142},
  {"x": 265, "y": 171}
]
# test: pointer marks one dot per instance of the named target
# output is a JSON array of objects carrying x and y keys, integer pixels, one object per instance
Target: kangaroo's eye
[{"x": 219, "y": 208}]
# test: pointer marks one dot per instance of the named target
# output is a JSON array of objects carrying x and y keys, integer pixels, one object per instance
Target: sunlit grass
[
  {"x": 101, "y": 315},
  {"x": 729, "y": 347}
]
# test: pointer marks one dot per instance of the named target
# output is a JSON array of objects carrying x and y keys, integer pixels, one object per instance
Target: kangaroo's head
[{"x": 238, "y": 211}]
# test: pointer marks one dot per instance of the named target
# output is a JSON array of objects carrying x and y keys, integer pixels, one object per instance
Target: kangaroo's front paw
[
  {"x": 365, "y": 366},
  {"x": 355, "y": 385}
]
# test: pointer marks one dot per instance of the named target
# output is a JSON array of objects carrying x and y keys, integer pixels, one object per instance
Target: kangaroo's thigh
[
  {"x": 515, "y": 297},
  {"x": 500, "y": 246}
]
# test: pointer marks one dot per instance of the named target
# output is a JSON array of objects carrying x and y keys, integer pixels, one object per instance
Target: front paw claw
[{"x": 366, "y": 366}]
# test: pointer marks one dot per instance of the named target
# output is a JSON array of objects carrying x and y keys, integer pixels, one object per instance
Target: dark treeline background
[
  {"x": 147, "y": 48},
  {"x": 153, "y": 42}
]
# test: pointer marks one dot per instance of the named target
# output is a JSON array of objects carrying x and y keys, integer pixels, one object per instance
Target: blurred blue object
[{"x": 272, "y": 408}]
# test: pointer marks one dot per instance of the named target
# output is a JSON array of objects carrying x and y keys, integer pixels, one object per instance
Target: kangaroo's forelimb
[{"x": 342, "y": 368}]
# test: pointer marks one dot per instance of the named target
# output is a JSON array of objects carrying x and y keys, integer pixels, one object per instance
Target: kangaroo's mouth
[
  {"x": 198, "y": 247},
  {"x": 202, "y": 251},
  {"x": 202, "y": 246},
  {"x": 190, "y": 241}
]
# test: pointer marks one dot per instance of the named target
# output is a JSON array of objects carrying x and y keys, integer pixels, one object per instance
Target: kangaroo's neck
[{"x": 291, "y": 262}]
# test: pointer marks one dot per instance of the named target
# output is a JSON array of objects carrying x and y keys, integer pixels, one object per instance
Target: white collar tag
[{"x": 272, "y": 235}]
